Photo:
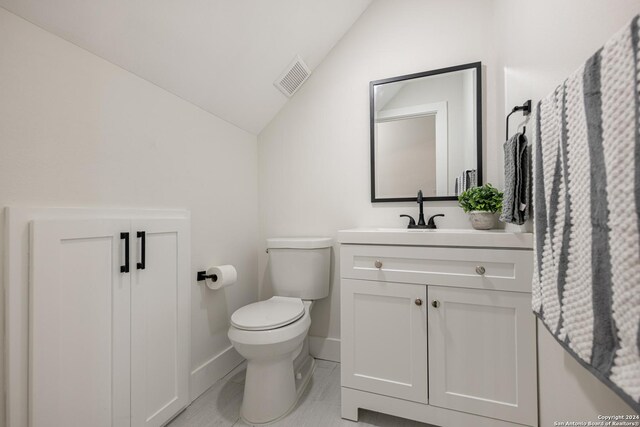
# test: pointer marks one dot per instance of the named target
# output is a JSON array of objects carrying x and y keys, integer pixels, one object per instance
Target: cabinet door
[
  {"x": 79, "y": 324},
  {"x": 482, "y": 355},
  {"x": 384, "y": 338},
  {"x": 159, "y": 321}
]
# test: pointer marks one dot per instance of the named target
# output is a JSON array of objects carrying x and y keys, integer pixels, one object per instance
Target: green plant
[{"x": 486, "y": 198}]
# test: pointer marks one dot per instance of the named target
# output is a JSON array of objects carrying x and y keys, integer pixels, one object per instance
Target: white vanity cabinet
[
  {"x": 482, "y": 356},
  {"x": 440, "y": 334},
  {"x": 384, "y": 338}
]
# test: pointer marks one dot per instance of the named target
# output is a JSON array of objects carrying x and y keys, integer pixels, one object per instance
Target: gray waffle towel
[{"x": 517, "y": 180}]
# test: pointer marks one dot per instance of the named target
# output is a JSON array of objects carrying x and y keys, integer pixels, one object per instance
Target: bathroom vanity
[{"x": 437, "y": 326}]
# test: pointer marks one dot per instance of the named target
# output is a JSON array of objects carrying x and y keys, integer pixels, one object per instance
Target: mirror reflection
[{"x": 426, "y": 134}]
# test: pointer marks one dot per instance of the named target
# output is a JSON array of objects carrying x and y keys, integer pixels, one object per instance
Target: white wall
[
  {"x": 76, "y": 130},
  {"x": 540, "y": 43},
  {"x": 314, "y": 158}
]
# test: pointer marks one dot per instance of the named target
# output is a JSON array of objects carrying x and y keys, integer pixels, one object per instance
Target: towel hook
[{"x": 526, "y": 110}]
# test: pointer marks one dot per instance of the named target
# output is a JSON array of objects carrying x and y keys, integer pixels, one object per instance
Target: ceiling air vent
[{"x": 292, "y": 78}]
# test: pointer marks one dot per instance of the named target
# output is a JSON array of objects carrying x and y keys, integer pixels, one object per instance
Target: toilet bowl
[
  {"x": 271, "y": 386},
  {"x": 272, "y": 334}
]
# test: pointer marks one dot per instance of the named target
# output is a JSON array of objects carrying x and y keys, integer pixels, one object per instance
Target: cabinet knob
[
  {"x": 378, "y": 263},
  {"x": 435, "y": 303},
  {"x": 418, "y": 301},
  {"x": 480, "y": 270}
]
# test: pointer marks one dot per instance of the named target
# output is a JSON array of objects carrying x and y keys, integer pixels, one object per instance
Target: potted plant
[{"x": 481, "y": 203}]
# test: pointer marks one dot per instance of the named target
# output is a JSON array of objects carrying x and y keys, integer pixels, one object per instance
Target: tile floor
[{"x": 319, "y": 406}]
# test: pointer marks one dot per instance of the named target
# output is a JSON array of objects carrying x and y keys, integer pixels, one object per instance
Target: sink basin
[{"x": 437, "y": 237}]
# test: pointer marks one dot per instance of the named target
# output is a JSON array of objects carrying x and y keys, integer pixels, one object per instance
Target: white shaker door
[
  {"x": 79, "y": 343},
  {"x": 384, "y": 338},
  {"x": 482, "y": 353},
  {"x": 159, "y": 320}
]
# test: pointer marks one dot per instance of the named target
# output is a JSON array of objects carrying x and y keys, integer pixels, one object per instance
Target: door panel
[
  {"x": 79, "y": 325},
  {"x": 384, "y": 338},
  {"x": 159, "y": 324},
  {"x": 482, "y": 353}
]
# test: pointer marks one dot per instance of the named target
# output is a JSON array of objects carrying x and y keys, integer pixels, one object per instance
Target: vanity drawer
[{"x": 499, "y": 269}]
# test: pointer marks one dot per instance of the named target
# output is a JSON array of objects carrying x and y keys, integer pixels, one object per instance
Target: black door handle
[
  {"x": 142, "y": 235},
  {"x": 125, "y": 268}
]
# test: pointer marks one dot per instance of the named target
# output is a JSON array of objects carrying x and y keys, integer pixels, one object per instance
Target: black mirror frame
[{"x": 473, "y": 65}]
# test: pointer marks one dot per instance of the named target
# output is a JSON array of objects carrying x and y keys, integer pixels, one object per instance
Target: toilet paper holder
[{"x": 202, "y": 275}]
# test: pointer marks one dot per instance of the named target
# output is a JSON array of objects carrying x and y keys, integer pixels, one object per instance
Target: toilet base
[{"x": 292, "y": 381}]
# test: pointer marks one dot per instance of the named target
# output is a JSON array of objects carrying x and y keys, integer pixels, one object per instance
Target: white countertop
[{"x": 438, "y": 237}]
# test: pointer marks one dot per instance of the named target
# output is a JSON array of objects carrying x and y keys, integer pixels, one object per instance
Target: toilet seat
[{"x": 273, "y": 313}]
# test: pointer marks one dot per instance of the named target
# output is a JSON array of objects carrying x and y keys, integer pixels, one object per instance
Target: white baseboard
[
  {"x": 325, "y": 348},
  {"x": 205, "y": 375}
]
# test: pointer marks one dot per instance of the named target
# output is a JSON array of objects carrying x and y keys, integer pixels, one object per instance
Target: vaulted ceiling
[{"x": 221, "y": 55}]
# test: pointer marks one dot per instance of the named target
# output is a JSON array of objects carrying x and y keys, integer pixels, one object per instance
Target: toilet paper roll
[{"x": 223, "y": 275}]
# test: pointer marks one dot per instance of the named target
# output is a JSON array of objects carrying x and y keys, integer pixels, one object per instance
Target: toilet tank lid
[{"x": 299, "y": 242}]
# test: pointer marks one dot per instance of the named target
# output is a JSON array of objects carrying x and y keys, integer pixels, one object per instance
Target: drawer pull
[
  {"x": 435, "y": 303},
  {"x": 418, "y": 301},
  {"x": 480, "y": 270},
  {"x": 378, "y": 263}
]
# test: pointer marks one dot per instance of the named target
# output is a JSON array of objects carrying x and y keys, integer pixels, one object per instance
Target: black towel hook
[{"x": 526, "y": 110}]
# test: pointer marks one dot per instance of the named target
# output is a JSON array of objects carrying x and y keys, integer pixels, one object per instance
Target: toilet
[{"x": 272, "y": 334}]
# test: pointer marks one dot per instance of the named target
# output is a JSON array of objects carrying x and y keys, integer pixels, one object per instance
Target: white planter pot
[{"x": 483, "y": 220}]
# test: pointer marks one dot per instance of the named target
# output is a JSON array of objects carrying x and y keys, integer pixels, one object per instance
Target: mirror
[{"x": 426, "y": 134}]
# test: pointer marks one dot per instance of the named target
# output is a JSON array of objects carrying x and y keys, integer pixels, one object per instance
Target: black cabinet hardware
[
  {"x": 143, "y": 236},
  {"x": 125, "y": 268}
]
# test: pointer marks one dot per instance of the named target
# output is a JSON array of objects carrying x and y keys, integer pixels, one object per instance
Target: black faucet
[{"x": 421, "y": 224}]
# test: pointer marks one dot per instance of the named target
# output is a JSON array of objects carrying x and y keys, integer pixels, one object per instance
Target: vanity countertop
[{"x": 438, "y": 237}]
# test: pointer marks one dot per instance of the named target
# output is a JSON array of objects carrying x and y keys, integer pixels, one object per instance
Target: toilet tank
[{"x": 299, "y": 267}]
